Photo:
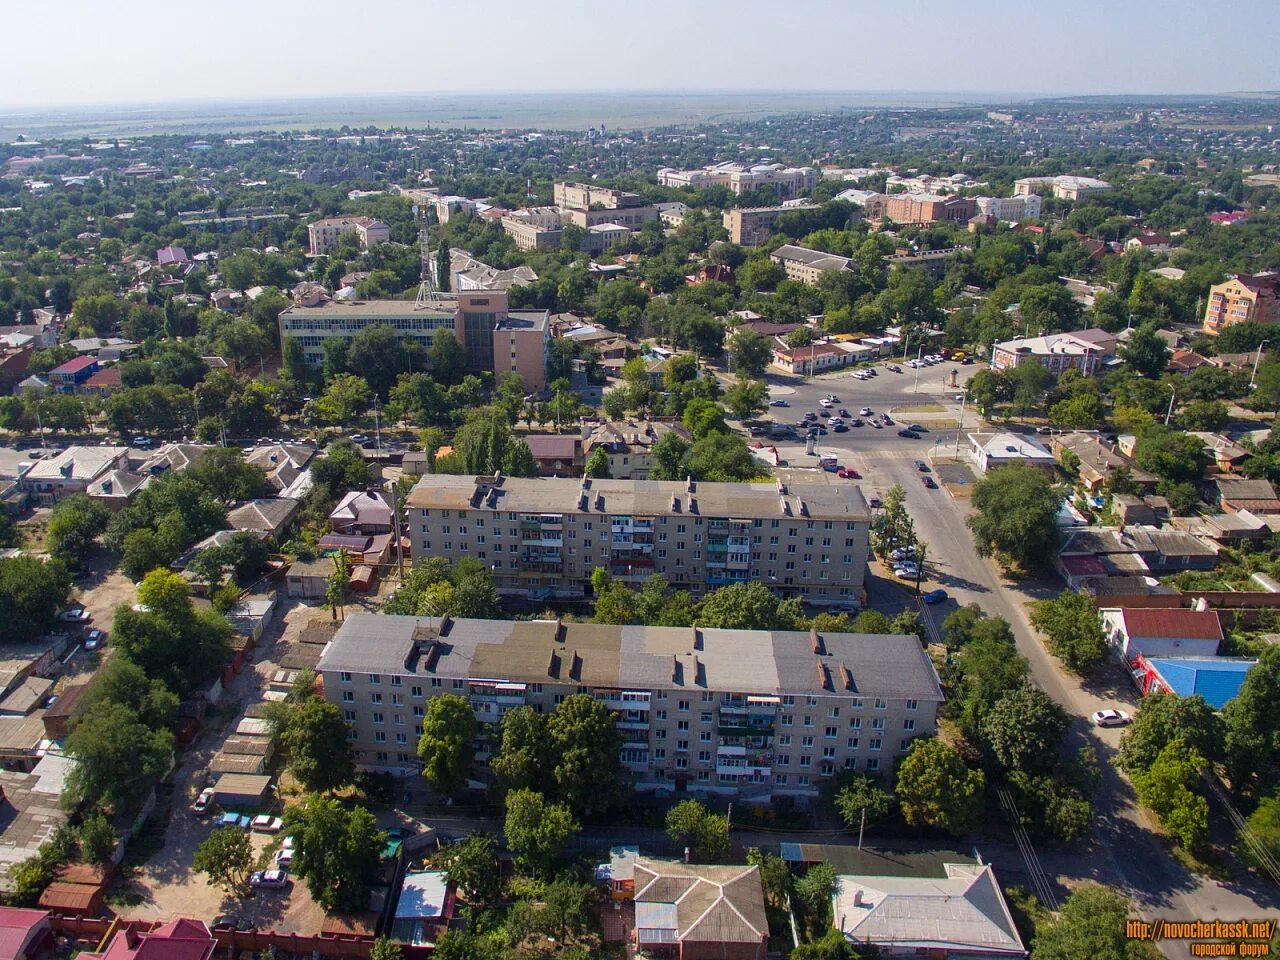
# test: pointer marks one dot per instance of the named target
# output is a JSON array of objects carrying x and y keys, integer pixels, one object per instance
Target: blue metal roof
[{"x": 1217, "y": 679}]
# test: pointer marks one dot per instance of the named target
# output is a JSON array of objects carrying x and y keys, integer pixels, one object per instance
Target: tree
[
  {"x": 1024, "y": 729},
  {"x": 523, "y": 758},
  {"x": 473, "y": 865},
  {"x": 1263, "y": 834},
  {"x": 1173, "y": 456},
  {"x": 814, "y": 891},
  {"x": 168, "y": 637},
  {"x": 1160, "y": 721},
  {"x": 1084, "y": 411},
  {"x": 1209, "y": 415},
  {"x": 379, "y": 355},
  {"x": 383, "y": 948},
  {"x": 597, "y": 466},
  {"x": 225, "y": 857},
  {"x": 749, "y": 353},
  {"x": 1144, "y": 351},
  {"x": 746, "y": 398},
  {"x": 223, "y": 472},
  {"x": 74, "y": 525},
  {"x": 97, "y": 838},
  {"x": 1168, "y": 789},
  {"x": 1073, "y": 629},
  {"x": 862, "y": 801},
  {"x": 693, "y": 826},
  {"x": 31, "y": 592},
  {"x": 118, "y": 757},
  {"x": 446, "y": 748},
  {"x": 831, "y": 946},
  {"x": 537, "y": 830},
  {"x": 339, "y": 470},
  {"x": 989, "y": 667},
  {"x": 936, "y": 789},
  {"x": 586, "y": 745},
  {"x": 447, "y": 357},
  {"x": 748, "y": 606},
  {"x": 343, "y": 397},
  {"x": 336, "y": 851},
  {"x": 1029, "y": 381},
  {"x": 444, "y": 268},
  {"x": 123, "y": 682},
  {"x": 1251, "y": 722},
  {"x": 101, "y": 313},
  {"x": 318, "y": 743},
  {"x": 1015, "y": 516},
  {"x": 1091, "y": 926},
  {"x": 968, "y": 623}
]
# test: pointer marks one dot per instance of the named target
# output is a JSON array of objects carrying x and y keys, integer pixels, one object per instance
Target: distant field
[{"x": 569, "y": 111}]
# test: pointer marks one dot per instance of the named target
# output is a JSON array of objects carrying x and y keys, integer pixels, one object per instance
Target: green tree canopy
[
  {"x": 586, "y": 745},
  {"x": 536, "y": 830},
  {"x": 336, "y": 850},
  {"x": 1074, "y": 631},
  {"x": 1014, "y": 517},
  {"x": 446, "y": 748},
  {"x": 1091, "y": 926},
  {"x": 317, "y": 741},
  {"x": 936, "y": 789}
]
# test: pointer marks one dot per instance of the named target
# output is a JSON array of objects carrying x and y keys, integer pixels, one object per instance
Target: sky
[{"x": 83, "y": 52}]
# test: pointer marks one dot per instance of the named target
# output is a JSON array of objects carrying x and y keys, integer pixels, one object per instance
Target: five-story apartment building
[
  {"x": 543, "y": 537},
  {"x": 746, "y": 713}
]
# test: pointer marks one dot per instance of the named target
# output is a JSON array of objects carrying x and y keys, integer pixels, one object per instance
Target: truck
[{"x": 828, "y": 463}]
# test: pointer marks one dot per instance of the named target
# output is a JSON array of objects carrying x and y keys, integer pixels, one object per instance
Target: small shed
[
  {"x": 242, "y": 790},
  {"x": 253, "y": 727},
  {"x": 309, "y": 579},
  {"x": 83, "y": 899}
]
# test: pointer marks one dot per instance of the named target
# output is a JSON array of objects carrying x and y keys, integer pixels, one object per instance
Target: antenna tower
[{"x": 427, "y": 288}]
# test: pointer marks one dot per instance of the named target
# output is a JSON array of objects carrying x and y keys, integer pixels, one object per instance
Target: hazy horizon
[{"x": 79, "y": 54}]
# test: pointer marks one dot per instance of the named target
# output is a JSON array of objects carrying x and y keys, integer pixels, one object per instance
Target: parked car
[
  {"x": 94, "y": 639},
  {"x": 893, "y": 367},
  {"x": 359, "y": 437},
  {"x": 203, "y": 802},
  {"x": 144, "y": 443},
  {"x": 922, "y": 466},
  {"x": 270, "y": 879},
  {"x": 76, "y": 614},
  {"x": 856, "y": 422},
  {"x": 903, "y": 553},
  {"x": 877, "y": 424},
  {"x": 874, "y": 503},
  {"x": 917, "y": 428},
  {"x": 230, "y": 819},
  {"x": 1110, "y": 718},
  {"x": 865, "y": 412},
  {"x": 934, "y": 596},
  {"x": 907, "y": 570},
  {"x": 826, "y": 403},
  {"x": 848, "y": 473},
  {"x": 265, "y": 823},
  {"x": 284, "y": 857},
  {"x": 810, "y": 415},
  {"x": 779, "y": 403},
  {"x": 886, "y": 419},
  {"x": 832, "y": 397},
  {"x": 929, "y": 483},
  {"x": 840, "y": 428},
  {"x": 844, "y": 413},
  {"x": 909, "y": 434}
]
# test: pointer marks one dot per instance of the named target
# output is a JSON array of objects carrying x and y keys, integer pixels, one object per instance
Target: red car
[
  {"x": 928, "y": 483},
  {"x": 848, "y": 473}
]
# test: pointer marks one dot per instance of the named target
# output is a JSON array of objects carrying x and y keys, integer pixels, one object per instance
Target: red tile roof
[
  {"x": 106, "y": 377},
  {"x": 1186, "y": 624},
  {"x": 74, "y": 365}
]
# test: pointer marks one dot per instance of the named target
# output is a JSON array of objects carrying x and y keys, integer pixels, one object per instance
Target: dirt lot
[{"x": 166, "y": 886}]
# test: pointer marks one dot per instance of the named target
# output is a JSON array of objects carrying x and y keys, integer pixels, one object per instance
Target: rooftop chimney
[
  {"x": 815, "y": 640},
  {"x": 553, "y": 665}
]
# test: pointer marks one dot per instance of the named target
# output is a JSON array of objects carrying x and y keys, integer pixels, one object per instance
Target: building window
[
  {"x": 344, "y": 677},
  {"x": 348, "y": 696}
]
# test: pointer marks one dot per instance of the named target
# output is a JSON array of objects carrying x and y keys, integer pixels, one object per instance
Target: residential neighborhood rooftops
[
  {"x": 1217, "y": 679},
  {"x": 1189, "y": 624}
]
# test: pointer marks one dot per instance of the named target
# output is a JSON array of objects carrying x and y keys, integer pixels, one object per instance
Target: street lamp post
[
  {"x": 964, "y": 398},
  {"x": 1256, "y": 360},
  {"x": 1172, "y": 396},
  {"x": 919, "y": 354}
]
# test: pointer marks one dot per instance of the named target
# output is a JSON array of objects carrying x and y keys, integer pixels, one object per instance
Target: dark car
[
  {"x": 841, "y": 428},
  {"x": 922, "y": 466},
  {"x": 874, "y": 503},
  {"x": 918, "y": 429},
  {"x": 810, "y": 415},
  {"x": 928, "y": 483},
  {"x": 909, "y": 434},
  {"x": 817, "y": 430},
  {"x": 934, "y": 596},
  {"x": 844, "y": 412}
]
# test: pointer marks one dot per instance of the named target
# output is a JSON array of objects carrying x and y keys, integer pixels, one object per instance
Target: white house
[
  {"x": 1001, "y": 449},
  {"x": 1162, "y": 632}
]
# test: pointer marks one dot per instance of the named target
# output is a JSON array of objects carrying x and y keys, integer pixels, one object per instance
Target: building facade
[
  {"x": 544, "y": 537},
  {"x": 1064, "y": 187},
  {"x": 537, "y": 228},
  {"x": 323, "y": 235},
  {"x": 1056, "y": 352},
  {"x": 1243, "y": 298},
  {"x": 494, "y": 338},
  {"x": 807, "y": 265},
  {"x": 591, "y": 206},
  {"x": 732, "y": 712},
  {"x": 786, "y": 182},
  {"x": 1026, "y": 207},
  {"x": 751, "y": 226},
  {"x": 919, "y": 208}
]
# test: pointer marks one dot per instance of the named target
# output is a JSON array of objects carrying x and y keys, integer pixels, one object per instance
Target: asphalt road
[{"x": 1124, "y": 852}]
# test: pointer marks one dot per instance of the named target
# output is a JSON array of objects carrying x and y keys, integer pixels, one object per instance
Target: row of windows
[{"x": 514, "y": 517}]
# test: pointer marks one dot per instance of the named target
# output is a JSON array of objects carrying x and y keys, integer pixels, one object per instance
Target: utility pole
[
  {"x": 395, "y": 519},
  {"x": 1253, "y": 378},
  {"x": 1172, "y": 396},
  {"x": 862, "y": 826}
]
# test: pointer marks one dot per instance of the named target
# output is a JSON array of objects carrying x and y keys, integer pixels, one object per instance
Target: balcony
[{"x": 624, "y": 700}]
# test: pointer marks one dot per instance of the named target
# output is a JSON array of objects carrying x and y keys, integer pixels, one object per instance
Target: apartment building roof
[
  {"x": 755, "y": 662},
  {"x": 813, "y": 501},
  {"x": 812, "y": 258},
  {"x": 360, "y": 221},
  {"x": 370, "y": 309}
]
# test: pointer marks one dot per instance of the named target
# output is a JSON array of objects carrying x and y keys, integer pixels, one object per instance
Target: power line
[
  {"x": 1247, "y": 837},
  {"x": 1039, "y": 879}
]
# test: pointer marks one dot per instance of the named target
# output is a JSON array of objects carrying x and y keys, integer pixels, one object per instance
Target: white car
[
  {"x": 284, "y": 858},
  {"x": 906, "y": 570},
  {"x": 864, "y": 412},
  {"x": 265, "y": 823},
  {"x": 1110, "y": 718},
  {"x": 271, "y": 879},
  {"x": 826, "y": 403},
  {"x": 75, "y": 615},
  {"x": 203, "y": 802}
]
